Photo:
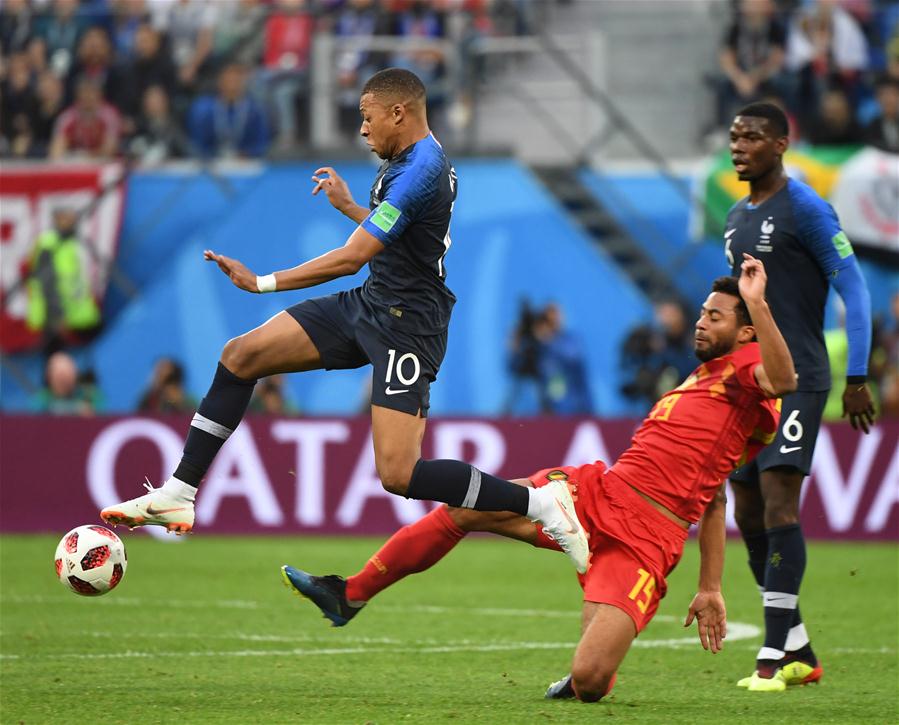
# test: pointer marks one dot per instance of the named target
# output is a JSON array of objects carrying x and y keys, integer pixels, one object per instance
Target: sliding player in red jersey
[{"x": 638, "y": 511}]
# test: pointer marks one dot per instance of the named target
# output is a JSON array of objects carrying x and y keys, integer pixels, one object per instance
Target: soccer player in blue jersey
[
  {"x": 396, "y": 322},
  {"x": 798, "y": 237}
]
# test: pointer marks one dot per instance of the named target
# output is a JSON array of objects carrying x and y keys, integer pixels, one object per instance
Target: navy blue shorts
[
  {"x": 348, "y": 334},
  {"x": 800, "y": 420}
]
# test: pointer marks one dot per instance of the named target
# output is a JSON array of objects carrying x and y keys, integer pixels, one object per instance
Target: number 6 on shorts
[{"x": 792, "y": 428}]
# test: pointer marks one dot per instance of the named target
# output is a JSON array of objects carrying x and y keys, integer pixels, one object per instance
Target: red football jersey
[{"x": 695, "y": 435}]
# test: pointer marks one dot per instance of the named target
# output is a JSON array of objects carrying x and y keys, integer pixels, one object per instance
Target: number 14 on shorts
[{"x": 645, "y": 586}]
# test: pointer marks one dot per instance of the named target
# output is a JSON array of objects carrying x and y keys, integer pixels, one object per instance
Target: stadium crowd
[
  {"x": 833, "y": 65},
  {"x": 161, "y": 79}
]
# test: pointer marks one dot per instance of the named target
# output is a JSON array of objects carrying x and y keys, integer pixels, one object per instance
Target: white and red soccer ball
[{"x": 90, "y": 560}]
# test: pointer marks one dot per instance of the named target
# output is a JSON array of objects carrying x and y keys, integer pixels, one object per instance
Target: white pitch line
[
  {"x": 249, "y": 604},
  {"x": 139, "y": 602},
  {"x": 423, "y": 646},
  {"x": 333, "y": 651}
]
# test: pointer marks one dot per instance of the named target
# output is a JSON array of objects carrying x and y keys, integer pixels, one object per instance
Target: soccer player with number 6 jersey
[
  {"x": 797, "y": 235},
  {"x": 637, "y": 512}
]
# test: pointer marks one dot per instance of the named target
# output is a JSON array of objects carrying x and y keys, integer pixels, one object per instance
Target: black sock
[
  {"x": 783, "y": 576},
  {"x": 220, "y": 412},
  {"x": 757, "y": 546},
  {"x": 459, "y": 484}
]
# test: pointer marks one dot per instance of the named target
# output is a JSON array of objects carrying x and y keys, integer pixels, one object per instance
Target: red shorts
[{"x": 633, "y": 547}]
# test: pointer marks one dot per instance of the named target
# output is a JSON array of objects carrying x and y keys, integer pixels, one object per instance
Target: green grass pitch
[{"x": 203, "y": 631}]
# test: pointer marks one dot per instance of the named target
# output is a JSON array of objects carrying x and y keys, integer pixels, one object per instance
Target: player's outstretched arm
[
  {"x": 345, "y": 260},
  {"x": 707, "y": 607},
  {"x": 338, "y": 193},
  {"x": 776, "y": 375}
]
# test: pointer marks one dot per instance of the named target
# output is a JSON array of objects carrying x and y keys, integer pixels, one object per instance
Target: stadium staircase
[{"x": 565, "y": 184}]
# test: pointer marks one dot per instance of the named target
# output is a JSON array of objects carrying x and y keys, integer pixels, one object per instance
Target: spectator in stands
[
  {"x": 64, "y": 391},
  {"x": 525, "y": 396},
  {"x": 165, "y": 392},
  {"x": 61, "y": 30},
  {"x": 422, "y": 21},
  {"x": 90, "y": 127},
  {"x": 288, "y": 42},
  {"x": 269, "y": 398},
  {"x": 157, "y": 135},
  {"x": 95, "y": 63},
  {"x": 36, "y": 51},
  {"x": 231, "y": 123},
  {"x": 358, "y": 19},
  {"x": 19, "y": 106},
  {"x": 16, "y": 26},
  {"x": 128, "y": 16},
  {"x": 237, "y": 36},
  {"x": 660, "y": 355},
  {"x": 826, "y": 47},
  {"x": 751, "y": 58},
  {"x": 883, "y": 131},
  {"x": 562, "y": 365},
  {"x": 834, "y": 122},
  {"x": 149, "y": 66},
  {"x": 50, "y": 105},
  {"x": 61, "y": 304},
  {"x": 189, "y": 27},
  {"x": 892, "y": 69},
  {"x": 676, "y": 355}
]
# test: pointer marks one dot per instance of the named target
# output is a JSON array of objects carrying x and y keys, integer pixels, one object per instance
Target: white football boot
[
  {"x": 560, "y": 522},
  {"x": 156, "y": 508}
]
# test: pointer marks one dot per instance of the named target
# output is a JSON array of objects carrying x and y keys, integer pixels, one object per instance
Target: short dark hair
[
  {"x": 730, "y": 286},
  {"x": 396, "y": 84},
  {"x": 775, "y": 116}
]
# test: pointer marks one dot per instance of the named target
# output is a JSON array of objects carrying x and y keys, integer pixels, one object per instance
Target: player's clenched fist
[{"x": 237, "y": 271}]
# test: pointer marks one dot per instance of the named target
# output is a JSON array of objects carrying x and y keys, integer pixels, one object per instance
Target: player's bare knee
[
  {"x": 778, "y": 516},
  {"x": 395, "y": 475},
  {"x": 238, "y": 356}
]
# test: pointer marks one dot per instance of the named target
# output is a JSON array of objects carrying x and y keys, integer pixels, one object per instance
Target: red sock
[
  {"x": 413, "y": 548},
  {"x": 544, "y": 542}
]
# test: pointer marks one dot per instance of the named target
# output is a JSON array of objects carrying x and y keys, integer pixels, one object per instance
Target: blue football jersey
[
  {"x": 797, "y": 236},
  {"x": 412, "y": 201}
]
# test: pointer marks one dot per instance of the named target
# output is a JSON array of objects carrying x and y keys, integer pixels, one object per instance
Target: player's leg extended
[
  {"x": 280, "y": 345},
  {"x": 420, "y": 545},
  {"x": 786, "y": 640},
  {"x": 607, "y": 636},
  {"x": 414, "y": 548},
  {"x": 397, "y": 440}
]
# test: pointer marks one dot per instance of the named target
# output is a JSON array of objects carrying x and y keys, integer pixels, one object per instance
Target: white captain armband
[{"x": 266, "y": 283}]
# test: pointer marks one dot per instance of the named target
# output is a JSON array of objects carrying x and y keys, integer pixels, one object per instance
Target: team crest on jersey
[{"x": 764, "y": 243}]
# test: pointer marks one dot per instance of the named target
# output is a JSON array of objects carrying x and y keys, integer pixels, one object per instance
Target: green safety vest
[{"x": 79, "y": 309}]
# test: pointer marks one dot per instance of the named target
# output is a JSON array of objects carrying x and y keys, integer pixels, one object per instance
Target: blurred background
[{"x": 590, "y": 141}]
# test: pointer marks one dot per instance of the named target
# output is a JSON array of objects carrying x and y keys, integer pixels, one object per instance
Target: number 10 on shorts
[
  {"x": 399, "y": 366},
  {"x": 645, "y": 586}
]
